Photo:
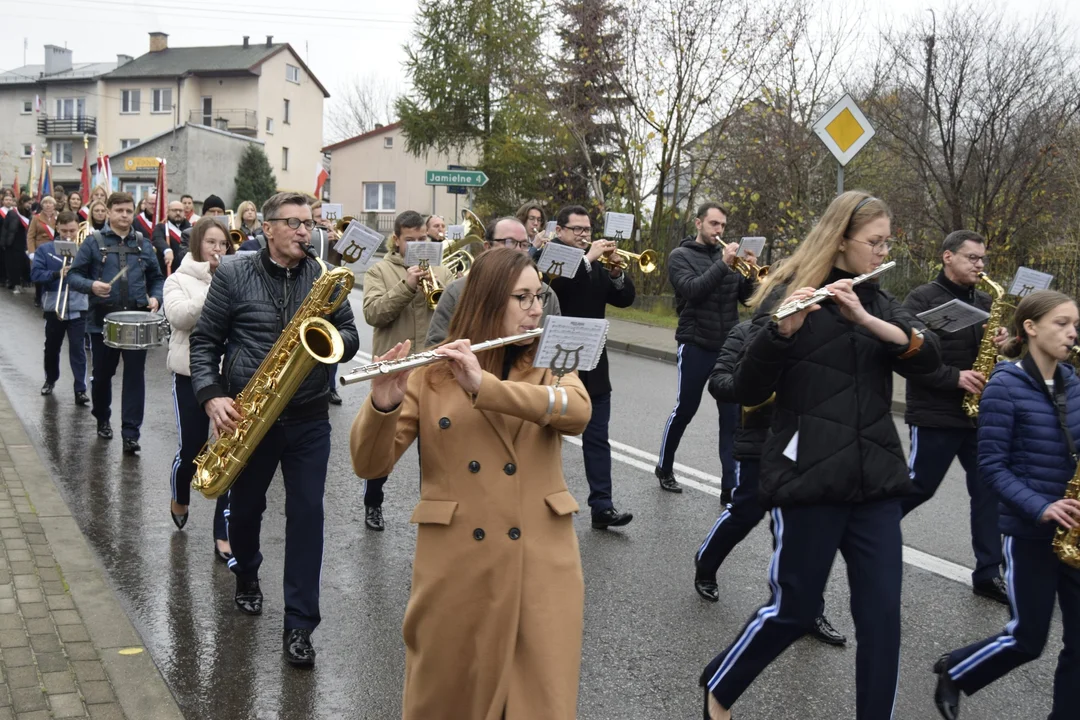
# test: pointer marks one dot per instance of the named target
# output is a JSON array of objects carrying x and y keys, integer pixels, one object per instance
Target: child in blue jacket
[{"x": 1029, "y": 424}]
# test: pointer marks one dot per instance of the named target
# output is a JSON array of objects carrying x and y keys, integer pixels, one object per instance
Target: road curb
[{"x": 138, "y": 684}]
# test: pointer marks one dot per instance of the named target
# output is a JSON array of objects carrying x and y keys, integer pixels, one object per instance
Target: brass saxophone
[
  {"x": 988, "y": 352},
  {"x": 1067, "y": 542},
  {"x": 308, "y": 339}
]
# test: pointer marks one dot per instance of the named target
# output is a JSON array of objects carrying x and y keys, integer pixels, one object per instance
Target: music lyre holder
[{"x": 567, "y": 366}]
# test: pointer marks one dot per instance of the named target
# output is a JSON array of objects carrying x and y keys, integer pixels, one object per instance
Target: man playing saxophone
[
  {"x": 250, "y": 301},
  {"x": 940, "y": 429}
]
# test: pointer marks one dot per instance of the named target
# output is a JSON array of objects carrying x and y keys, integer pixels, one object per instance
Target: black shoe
[
  {"x": 725, "y": 497},
  {"x": 178, "y": 520},
  {"x": 705, "y": 584},
  {"x": 373, "y": 518},
  {"x": 248, "y": 596},
  {"x": 297, "y": 649},
  {"x": 46, "y": 389},
  {"x": 826, "y": 633},
  {"x": 81, "y": 399},
  {"x": 131, "y": 446},
  {"x": 667, "y": 481},
  {"x": 993, "y": 589},
  {"x": 946, "y": 694},
  {"x": 335, "y": 399},
  {"x": 103, "y": 429},
  {"x": 611, "y": 518}
]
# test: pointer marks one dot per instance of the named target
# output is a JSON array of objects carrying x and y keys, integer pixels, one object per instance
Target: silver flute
[
  {"x": 797, "y": 306},
  {"x": 388, "y": 367}
]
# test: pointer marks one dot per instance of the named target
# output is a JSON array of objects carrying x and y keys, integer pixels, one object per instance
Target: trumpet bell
[
  {"x": 647, "y": 261},
  {"x": 343, "y": 223}
]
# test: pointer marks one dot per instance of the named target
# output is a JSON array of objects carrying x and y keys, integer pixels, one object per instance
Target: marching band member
[
  {"x": 325, "y": 235},
  {"x": 49, "y": 271},
  {"x": 493, "y": 628},
  {"x": 396, "y": 312},
  {"x": 707, "y": 292},
  {"x": 533, "y": 217},
  {"x": 99, "y": 260},
  {"x": 235, "y": 324},
  {"x": 168, "y": 236},
  {"x": 249, "y": 220},
  {"x": 13, "y": 241},
  {"x": 435, "y": 227},
  {"x": 832, "y": 467},
  {"x": 744, "y": 512},
  {"x": 588, "y": 294},
  {"x": 501, "y": 232},
  {"x": 185, "y": 293},
  {"x": 189, "y": 208},
  {"x": 99, "y": 215},
  {"x": 940, "y": 429},
  {"x": 1029, "y": 426}
]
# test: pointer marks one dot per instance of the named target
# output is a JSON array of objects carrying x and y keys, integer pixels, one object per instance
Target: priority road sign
[
  {"x": 464, "y": 178},
  {"x": 844, "y": 130}
]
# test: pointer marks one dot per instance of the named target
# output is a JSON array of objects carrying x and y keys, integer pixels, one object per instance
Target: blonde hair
[
  {"x": 244, "y": 207},
  {"x": 814, "y": 258},
  {"x": 103, "y": 189}
]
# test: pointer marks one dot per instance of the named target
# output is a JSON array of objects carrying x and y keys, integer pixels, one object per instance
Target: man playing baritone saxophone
[
  {"x": 250, "y": 302},
  {"x": 397, "y": 310},
  {"x": 940, "y": 429}
]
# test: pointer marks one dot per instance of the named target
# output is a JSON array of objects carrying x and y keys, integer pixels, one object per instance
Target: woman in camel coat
[
  {"x": 42, "y": 226},
  {"x": 494, "y": 622}
]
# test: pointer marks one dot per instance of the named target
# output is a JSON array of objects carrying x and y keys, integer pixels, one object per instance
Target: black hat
[{"x": 211, "y": 202}]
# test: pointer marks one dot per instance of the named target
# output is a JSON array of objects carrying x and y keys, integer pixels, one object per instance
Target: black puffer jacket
[
  {"x": 753, "y": 424},
  {"x": 250, "y": 302},
  {"x": 707, "y": 293},
  {"x": 933, "y": 399},
  {"x": 833, "y": 385}
]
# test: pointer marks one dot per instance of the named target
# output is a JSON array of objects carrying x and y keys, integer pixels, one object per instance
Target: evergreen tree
[{"x": 255, "y": 179}]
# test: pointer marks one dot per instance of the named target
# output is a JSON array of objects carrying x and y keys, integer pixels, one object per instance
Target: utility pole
[{"x": 924, "y": 128}]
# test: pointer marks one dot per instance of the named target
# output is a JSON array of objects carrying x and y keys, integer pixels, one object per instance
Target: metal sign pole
[{"x": 839, "y": 179}]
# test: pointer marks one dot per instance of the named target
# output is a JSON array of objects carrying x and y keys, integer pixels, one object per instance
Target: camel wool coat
[{"x": 494, "y": 620}]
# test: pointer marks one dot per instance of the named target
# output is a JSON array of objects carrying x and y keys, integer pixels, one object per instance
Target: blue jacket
[
  {"x": 1023, "y": 455},
  {"x": 95, "y": 261},
  {"x": 46, "y": 271}
]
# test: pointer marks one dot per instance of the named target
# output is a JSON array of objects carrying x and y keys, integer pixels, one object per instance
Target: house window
[
  {"x": 388, "y": 143},
  {"x": 61, "y": 152},
  {"x": 270, "y": 125},
  {"x": 129, "y": 101},
  {"x": 284, "y": 158},
  {"x": 162, "y": 100},
  {"x": 125, "y": 143},
  {"x": 70, "y": 108},
  {"x": 27, "y": 107},
  {"x": 380, "y": 197},
  {"x": 292, "y": 74},
  {"x": 285, "y": 119},
  {"x": 27, "y": 150}
]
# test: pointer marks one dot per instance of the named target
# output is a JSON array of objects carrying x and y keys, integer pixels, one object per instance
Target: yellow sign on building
[
  {"x": 844, "y": 130},
  {"x": 132, "y": 164}
]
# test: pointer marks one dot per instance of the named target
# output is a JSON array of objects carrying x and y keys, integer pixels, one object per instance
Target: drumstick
[{"x": 119, "y": 275}]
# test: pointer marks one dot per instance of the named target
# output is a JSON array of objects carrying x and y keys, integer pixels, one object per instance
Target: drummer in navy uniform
[{"x": 99, "y": 260}]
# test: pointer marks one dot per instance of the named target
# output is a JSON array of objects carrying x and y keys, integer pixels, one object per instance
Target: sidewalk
[
  {"x": 67, "y": 648},
  {"x": 659, "y": 343}
]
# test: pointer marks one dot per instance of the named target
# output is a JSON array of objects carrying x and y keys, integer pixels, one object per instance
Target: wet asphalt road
[{"x": 647, "y": 635}]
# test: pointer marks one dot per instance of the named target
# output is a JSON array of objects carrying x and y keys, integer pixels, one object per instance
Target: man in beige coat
[{"x": 397, "y": 310}]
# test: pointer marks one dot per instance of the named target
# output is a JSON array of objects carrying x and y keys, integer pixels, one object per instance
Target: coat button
[
  {"x": 474, "y": 467},
  {"x": 478, "y": 534},
  {"x": 444, "y": 422},
  {"x": 514, "y": 533},
  {"x": 510, "y": 468}
]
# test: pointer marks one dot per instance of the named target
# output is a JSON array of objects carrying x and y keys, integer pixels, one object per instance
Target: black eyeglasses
[
  {"x": 578, "y": 230},
  {"x": 526, "y": 300},
  {"x": 512, "y": 243},
  {"x": 295, "y": 223},
  {"x": 878, "y": 246}
]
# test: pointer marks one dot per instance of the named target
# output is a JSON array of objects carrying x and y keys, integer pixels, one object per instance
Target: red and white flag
[
  {"x": 161, "y": 203},
  {"x": 321, "y": 176}
]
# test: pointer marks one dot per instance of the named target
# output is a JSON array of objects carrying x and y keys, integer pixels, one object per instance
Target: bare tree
[{"x": 359, "y": 105}]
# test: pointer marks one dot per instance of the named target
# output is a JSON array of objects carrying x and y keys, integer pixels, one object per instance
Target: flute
[
  {"x": 387, "y": 367},
  {"x": 797, "y": 306}
]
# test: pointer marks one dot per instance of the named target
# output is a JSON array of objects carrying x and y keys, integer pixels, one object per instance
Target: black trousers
[
  {"x": 1035, "y": 578},
  {"x": 192, "y": 429},
  {"x": 806, "y": 540},
  {"x": 55, "y": 332},
  {"x": 932, "y": 452},
  {"x": 737, "y": 520},
  {"x": 17, "y": 266},
  {"x": 596, "y": 451},
  {"x": 302, "y": 449},
  {"x": 133, "y": 400}
]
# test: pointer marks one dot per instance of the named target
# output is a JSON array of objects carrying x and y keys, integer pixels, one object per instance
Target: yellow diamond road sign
[{"x": 844, "y": 130}]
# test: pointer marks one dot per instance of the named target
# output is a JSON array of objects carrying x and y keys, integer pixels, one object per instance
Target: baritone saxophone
[
  {"x": 309, "y": 338},
  {"x": 988, "y": 352}
]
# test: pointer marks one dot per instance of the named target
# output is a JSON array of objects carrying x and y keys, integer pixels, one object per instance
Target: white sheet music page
[
  {"x": 358, "y": 245},
  {"x": 618, "y": 226},
  {"x": 560, "y": 260},
  {"x": 753, "y": 244},
  {"x": 571, "y": 343},
  {"x": 1028, "y": 281},
  {"x": 952, "y": 316},
  {"x": 455, "y": 232},
  {"x": 423, "y": 250}
]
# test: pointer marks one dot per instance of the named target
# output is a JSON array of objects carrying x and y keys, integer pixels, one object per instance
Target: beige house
[
  {"x": 263, "y": 91},
  {"x": 374, "y": 178}
]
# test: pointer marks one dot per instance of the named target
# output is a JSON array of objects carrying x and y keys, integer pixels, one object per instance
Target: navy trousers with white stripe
[
  {"x": 1035, "y": 578},
  {"x": 695, "y": 364},
  {"x": 737, "y": 520},
  {"x": 192, "y": 429},
  {"x": 806, "y": 540}
]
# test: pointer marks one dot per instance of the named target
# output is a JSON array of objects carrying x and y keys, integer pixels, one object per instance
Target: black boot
[
  {"x": 104, "y": 430},
  {"x": 297, "y": 649},
  {"x": 248, "y": 597}
]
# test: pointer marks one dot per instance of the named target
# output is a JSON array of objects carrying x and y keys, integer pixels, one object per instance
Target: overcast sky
[{"x": 345, "y": 39}]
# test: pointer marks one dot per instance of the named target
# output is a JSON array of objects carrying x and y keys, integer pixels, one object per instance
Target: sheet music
[
  {"x": 455, "y": 232},
  {"x": 560, "y": 260},
  {"x": 618, "y": 226},
  {"x": 418, "y": 250},
  {"x": 65, "y": 248},
  {"x": 549, "y": 229},
  {"x": 331, "y": 212},
  {"x": 952, "y": 316},
  {"x": 1028, "y": 281},
  {"x": 571, "y": 343},
  {"x": 358, "y": 245},
  {"x": 753, "y": 244}
]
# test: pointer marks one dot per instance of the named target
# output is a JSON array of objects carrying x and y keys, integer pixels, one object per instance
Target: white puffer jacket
[{"x": 185, "y": 293}]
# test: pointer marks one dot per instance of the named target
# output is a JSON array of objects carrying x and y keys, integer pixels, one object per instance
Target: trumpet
[
  {"x": 749, "y": 270},
  {"x": 235, "y": 236},
  {"x": 797, "y": 306},
  {"x": 429, "y": 284},
  {"x": 343, "y": 223},
  {"x": 646, "y": 259},
  {"x": 64, "y": 288}
]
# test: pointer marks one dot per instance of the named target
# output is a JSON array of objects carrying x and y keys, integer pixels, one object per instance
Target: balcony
[
  {"x": 67, "y": 127},
  {"x": 240, "y": 121}
]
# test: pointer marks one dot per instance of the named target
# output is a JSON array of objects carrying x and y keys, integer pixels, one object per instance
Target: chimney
[
  {"x": 123, "y": 59},
  {"x": 269, "y": 40},
  {"x": 159, "y": 41},
  {"x": 246, "y": 38},
  {"x": 57, "y": 59}
]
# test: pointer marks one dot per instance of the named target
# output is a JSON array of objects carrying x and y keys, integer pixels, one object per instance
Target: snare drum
[{"x": 135, "y": 330}]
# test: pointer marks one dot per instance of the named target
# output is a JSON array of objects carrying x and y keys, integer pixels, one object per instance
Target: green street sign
[{"x": 464, "y": 178}]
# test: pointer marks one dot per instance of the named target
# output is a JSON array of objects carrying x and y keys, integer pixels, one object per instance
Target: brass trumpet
[
  {"x": 430, "y": 286},
  {"x": 64, "y": 288},
  {"x": 343, "y": 223},
  {"x": 646, "y": 259},
  {"x": 749, "y": 270},
  {"x": 235, "y": 236}
]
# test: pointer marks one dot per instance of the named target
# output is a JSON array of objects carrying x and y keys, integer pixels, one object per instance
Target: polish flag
[{"x": 321, "y": 176}]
